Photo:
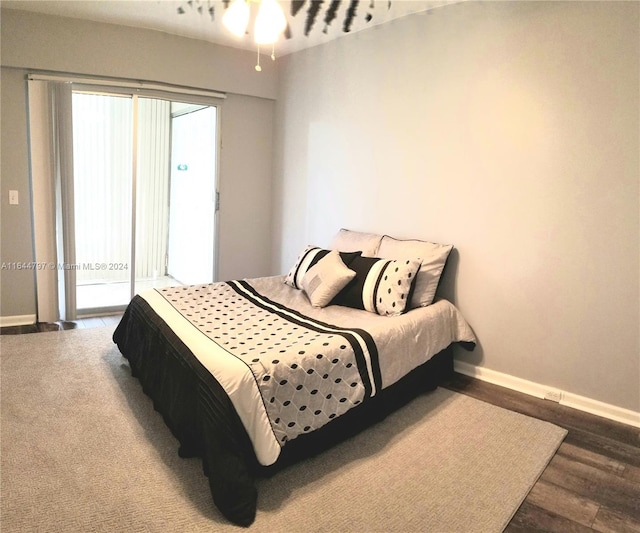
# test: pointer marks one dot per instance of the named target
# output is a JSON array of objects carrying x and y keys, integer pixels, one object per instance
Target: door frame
[
  {"x": 195, "y": 100},
  {"x": 45, "y": 291}
]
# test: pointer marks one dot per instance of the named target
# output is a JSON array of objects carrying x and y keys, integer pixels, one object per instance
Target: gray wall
[
  {"x": 33, "y": 41},
  {"x": 17, "y": 297},
  {"x": 507, "y": 129}
]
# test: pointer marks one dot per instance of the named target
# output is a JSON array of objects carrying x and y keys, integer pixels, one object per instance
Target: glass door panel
[
  {"x": 102, "y": 147},
  {"x": 192, "y": 196},
  {"x": 173, "y": 215}
]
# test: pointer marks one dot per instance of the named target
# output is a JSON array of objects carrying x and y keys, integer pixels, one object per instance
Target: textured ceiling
[{"x": 310, "y": 22}]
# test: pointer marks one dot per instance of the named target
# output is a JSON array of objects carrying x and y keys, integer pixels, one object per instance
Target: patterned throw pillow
[
  {"x": 309, "y": 257},
  {"x": 381, "y": 286},
  {"x": 324, "y": 280},
  {"x": 433, "y": 256}
]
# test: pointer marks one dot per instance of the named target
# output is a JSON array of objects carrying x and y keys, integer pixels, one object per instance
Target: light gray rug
[{"x": 83, "y": 450}]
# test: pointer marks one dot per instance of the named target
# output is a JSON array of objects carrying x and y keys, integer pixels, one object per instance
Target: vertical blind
[
  {"x": 152, "y": 198},
  {"x": 43, "y": 188},
  {"x": 103, "y": 129}
]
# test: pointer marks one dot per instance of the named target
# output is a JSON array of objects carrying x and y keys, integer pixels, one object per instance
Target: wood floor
[
  {"x": 591, "y": 484},
  {"x": 92, "y": 322},
  {"x": 593, "y": 481}
]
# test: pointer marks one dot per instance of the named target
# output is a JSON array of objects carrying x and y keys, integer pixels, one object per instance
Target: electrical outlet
[
  {"x": 553, "y": 395},
  {"x": 13, "y": 197}
]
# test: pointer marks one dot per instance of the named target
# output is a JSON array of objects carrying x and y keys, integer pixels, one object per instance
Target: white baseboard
[
  {"x": 17, "y": 320},
  {"x": 594, "y": 407}
]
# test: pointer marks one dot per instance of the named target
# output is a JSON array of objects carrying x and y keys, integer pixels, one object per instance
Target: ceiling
[{"x": 201, "y": 19}]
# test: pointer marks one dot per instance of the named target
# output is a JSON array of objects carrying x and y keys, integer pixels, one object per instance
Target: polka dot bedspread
[{"x": 289, "y": 368}]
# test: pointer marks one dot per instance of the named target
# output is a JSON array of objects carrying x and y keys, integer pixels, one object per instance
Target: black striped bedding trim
[
  {"x": 377, "y": 286},
  {"x": 349, "y": 334},
  {"x": 318, "y": 251}
]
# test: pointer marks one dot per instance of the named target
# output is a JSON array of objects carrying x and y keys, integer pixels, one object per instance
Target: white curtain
[{"x": 51, "y": 156}]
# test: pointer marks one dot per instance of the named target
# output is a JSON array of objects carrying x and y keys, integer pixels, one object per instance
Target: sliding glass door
[{"x": 144, "y": 196}]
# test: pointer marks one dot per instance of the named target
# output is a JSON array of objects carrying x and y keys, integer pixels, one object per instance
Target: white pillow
[
  {"x": 308, "y": 258},
  {"x": 324, "y": 280},
  {"x": 433, "y": 257},
  {"x": 356, "y": 241}
]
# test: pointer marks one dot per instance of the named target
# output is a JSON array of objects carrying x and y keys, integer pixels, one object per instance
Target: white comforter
[{"x": 402, "y": 343}]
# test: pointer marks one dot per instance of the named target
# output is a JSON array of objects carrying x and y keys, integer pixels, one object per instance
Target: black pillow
[{"x": 381, "y": 286}]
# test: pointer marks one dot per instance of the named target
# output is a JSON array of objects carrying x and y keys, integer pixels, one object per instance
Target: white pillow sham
[{"x": 356, "y": 241}]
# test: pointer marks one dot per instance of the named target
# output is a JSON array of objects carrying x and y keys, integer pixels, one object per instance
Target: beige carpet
[{"x": 83, "y": 450}]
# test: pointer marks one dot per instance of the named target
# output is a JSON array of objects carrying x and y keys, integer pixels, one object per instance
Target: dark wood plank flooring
[
  {"x": 591, "y": 484},
  {"x": 593, "y": 481},
  {"x": 90, "y": 322}
]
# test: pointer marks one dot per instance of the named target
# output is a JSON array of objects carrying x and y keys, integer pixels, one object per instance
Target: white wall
[{"x": 507, "y": 129}]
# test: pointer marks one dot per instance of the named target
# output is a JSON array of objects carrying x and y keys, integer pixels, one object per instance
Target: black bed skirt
[{"x": 201, "y": 416}]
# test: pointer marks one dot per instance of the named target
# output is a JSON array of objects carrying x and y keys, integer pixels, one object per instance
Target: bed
[{"x": 251, "y": 375}]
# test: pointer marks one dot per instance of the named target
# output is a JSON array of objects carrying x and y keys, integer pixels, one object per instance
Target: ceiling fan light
[
  {"x": 236, "y": 17},
  {"x": 270, "y": 22}
]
